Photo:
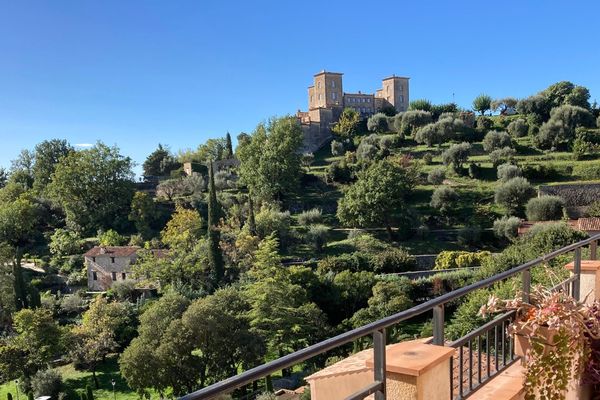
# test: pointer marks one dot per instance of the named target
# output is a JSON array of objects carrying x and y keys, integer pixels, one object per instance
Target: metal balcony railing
[{"x": 498, "y": 347}]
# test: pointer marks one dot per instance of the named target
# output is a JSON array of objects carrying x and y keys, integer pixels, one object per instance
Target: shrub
[
  {"x": 367, "y": 151},
  {"x": 337, "y": 148},
  {"x": 427, "y": 158},
  {"x": 414, "y": 119},
  {"x": 513, "y": 194},
  {"x": 469, "y": 235},
  {"x": 123, "y": 290},
  {"x": 436, "y": 176},
  {"x": 456, "y": 155},
  {"x": 444, "y": 199},
  {"x": 501, "y": 156},
  {"x": 377, "y": 123},
  {"x": 594, "y": 209},
  {"x": 518, "y": 128},
  {"x": 474, "y": 170},
  {"x": 111, "y": 238},
  {"x": 350, "y": 157},
  {"x": 269, "y": 220},
  {"x": 354, "y": 262},
  {"x": 428, "y": 135},
  {"x": 484, "y": 123},
  {"x": 460, "y": 259},
  {"x": 310, "y": 217},
  {"x": 393, "y": 260},
  {"x": 46, "y": 383},
  {"x": 506, "y": 172},
  {"x": 541, "y": 172},
  {"x": 506, "y": 227},
  {"x": 588, "y": 171},
  {"x": 545, "y": 208},
  {"x": 496, "y": 140},
  {"x": 387, "y": 142},
  {"x": 317, "y": 236},
  {"x": 338, "y": 172}
]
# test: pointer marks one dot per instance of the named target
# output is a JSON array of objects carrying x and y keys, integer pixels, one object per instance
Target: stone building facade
[
  {"x": 109, "y": 264},
  {"x": 327, "y": 100}
]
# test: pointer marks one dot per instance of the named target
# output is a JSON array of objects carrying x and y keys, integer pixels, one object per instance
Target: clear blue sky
[{"x": 136, "y": 73}]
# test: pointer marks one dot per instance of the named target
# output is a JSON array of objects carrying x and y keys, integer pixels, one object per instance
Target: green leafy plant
[{"x": 558, "y": 329}]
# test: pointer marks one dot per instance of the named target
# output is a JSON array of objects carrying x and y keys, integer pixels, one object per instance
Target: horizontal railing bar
[
  {"x": 482, "y": 329},
  {"x": 357, "y": 333},
  {"x": 362, "y": 393}
]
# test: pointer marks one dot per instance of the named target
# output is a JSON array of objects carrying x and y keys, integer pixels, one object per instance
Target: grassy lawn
[{"x": 76, "y": 381}]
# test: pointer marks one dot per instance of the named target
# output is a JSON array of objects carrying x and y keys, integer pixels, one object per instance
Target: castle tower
[
  {"x": 327, "y": 90},
  {"x": 395, "y": 92}
]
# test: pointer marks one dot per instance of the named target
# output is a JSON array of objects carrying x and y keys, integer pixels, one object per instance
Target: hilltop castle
[{"x": 327, "y": 100}]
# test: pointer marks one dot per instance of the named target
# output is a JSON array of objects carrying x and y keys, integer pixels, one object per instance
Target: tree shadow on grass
[{"x": 106, "y": 373}]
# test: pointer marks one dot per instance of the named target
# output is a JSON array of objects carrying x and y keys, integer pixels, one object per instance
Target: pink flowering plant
[{"x": 559, "y": 330}]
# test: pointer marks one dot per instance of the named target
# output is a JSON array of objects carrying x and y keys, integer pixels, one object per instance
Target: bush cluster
[
  {"x": 506, "y": 227},
  {"x": 495, "y": 140},
  {"x": 545, "y": 208},
  {"x": 506, "y": 172},
  {"x": 460, "y": 259},
  {"x": 436, "y": 176}
]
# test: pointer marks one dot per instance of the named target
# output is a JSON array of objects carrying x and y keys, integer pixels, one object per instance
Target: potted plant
[{"x": 553, "y": 333}]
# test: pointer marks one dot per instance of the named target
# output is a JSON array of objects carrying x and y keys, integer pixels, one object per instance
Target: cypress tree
[
  {"x": 9, "y": 396},
  {"x": 228, "y": 146},
  {"x": 215, "y": 257},
  {"x": 19, "y": 286},
  {"x": 251, "y": 219},
  {"x": 30, "y": 396},
  {"x": 89, "y": 392}
]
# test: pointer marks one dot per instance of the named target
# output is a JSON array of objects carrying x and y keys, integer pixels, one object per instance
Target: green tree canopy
[
  {"x": 94, "y": 187},
  {"x": 47, "y": 155},
  {"x": 379, "y": 195},
  {"x": 270, "y": 162},
  {"x": 348, "y": 124},
  {"x": 482, "y": 103}
]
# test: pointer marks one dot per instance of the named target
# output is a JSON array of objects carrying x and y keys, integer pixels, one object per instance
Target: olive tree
[
  {"x": 494, "y": 140},
  {"x": 456, "y": 155},
  {"x": 545, "y": 208},
  {"x": 518, "y": 128},
  {"x": 482, "y": 103},
  {"x": 513, "y": 194}
]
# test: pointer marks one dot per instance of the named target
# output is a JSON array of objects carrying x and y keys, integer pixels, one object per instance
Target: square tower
[
  {"x": 395, "y": 92},
  {"x": 327, "y": 90}
]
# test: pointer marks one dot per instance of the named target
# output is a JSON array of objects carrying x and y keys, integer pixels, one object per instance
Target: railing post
[
  {"x": 577, "y": 273},
  {"x": 379, "y": 364},
  {"x": 526, "y": 279},
  {"x": 594, "y": 250},
  {"x": 438, "y": 325}
]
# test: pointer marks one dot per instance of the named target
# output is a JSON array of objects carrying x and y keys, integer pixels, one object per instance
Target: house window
[
  {"x": 94, "y": 275},
  {"x": 114, "y": 276},
  {"x": 123, "y": 276},
  {"x": 93, "y": 259},
  {"x": 112, "y": 260}
]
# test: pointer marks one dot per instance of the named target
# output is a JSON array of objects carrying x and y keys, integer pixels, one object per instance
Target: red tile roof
[
  {"x": 112, "y": 251},
  {"x": 589, "y": 224}
]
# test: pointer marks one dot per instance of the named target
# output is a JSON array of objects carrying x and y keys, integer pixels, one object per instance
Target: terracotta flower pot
[{"x": 523, "y": 345}]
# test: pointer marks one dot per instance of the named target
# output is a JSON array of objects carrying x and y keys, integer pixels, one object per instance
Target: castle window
[
  {"x": 312, "y": 98},
  {"x": 332, "y": 83},
  {"x": 320, "y": 97},
  {"x": 401, "y": 99},
  {"x": 368, "y": 100},
  {"x": 114, "y": 276},
  {"x": 319, "y": 84},
  {"x": 94, "y": 275},
  {"x": 333, "y": 96}
]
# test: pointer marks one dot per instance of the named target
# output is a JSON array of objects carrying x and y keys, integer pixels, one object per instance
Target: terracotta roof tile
[
  {"x": 112, "y": 251},
  {"x": 589, "y": 224}
]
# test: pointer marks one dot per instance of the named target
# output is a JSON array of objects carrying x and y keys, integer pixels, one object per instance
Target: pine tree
[
  {"x": 251, "y": 219},
  {"x": 228, "y": 146},
  {"x": 215, "y": 257}
]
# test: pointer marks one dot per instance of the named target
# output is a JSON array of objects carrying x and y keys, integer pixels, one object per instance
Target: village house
[{"x": 108, "y": 264}]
